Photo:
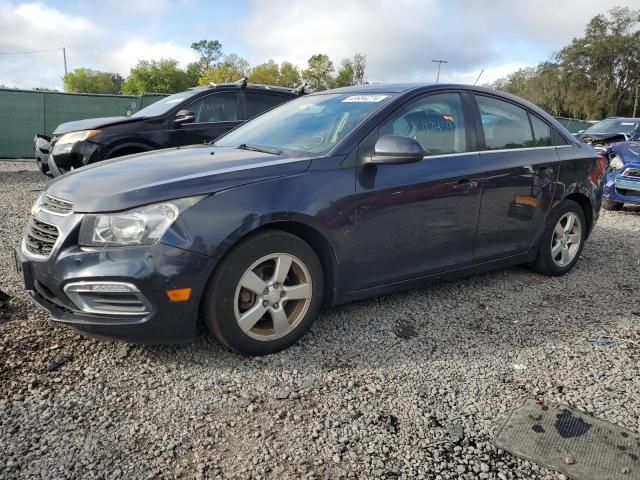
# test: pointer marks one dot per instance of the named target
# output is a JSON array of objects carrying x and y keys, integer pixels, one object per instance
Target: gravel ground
[{"x": 413, "y": 385}]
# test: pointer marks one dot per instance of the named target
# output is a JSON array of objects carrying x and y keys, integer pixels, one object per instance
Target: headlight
[
  {"x": 139, "y": 226},
  {"x": 74, "y": 137},
  {"x": 616, "y": 163}
]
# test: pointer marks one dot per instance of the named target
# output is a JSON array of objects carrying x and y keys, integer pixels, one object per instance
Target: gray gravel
[{"x": 412, "y": 385}]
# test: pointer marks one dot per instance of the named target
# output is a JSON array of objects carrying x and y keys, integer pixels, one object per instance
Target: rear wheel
[
  {"x": 562, "y": 240},
  {"x": 613, "y": 206},
  {"x": 265, "y": 294}
]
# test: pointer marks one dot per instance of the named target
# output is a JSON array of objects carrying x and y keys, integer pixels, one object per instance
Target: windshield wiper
[{"x": 259, "y": 148}]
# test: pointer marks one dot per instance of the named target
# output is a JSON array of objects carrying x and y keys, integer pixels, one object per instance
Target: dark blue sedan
[{"x": 329, "y": 198}]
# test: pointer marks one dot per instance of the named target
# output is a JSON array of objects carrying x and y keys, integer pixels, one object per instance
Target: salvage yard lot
[{"x": 377, "y": 389}]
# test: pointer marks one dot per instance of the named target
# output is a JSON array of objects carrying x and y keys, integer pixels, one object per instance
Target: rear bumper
[
  {"x": 622, "y": 189},
  {"x": 152, "y": 270}
]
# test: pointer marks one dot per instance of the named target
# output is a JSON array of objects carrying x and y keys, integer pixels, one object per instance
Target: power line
[{"x": 32, "y": 51}]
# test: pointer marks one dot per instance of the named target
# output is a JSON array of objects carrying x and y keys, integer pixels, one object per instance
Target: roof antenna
[
  {"x": 300, "y": 90},
  {"x": 242, "y": 82}
]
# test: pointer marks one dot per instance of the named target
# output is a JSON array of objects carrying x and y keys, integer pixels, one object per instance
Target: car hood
[
  {"x": 92, "y": 123},
  {"x": 134, "y": 180}
]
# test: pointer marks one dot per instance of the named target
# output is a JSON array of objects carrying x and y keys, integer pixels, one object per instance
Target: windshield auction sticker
[{"x": 364, "y": 98}]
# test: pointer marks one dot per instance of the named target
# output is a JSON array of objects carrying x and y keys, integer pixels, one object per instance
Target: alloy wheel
[
  {"x": 273, "y": 296},
  {"x": 566, "y": 239}
]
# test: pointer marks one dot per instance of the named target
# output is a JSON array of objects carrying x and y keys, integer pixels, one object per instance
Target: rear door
[
  {"x": 257, "y": 102},
  {"x": 216, "y": 113},
  {"x": 419, "y": 218},
  {"x": 520, "y": 169}
]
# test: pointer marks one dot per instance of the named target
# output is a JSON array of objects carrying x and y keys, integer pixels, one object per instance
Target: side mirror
[
  {"x": 184, "y": 116},
  {"x": 396, "y": 149},
  {"x": 579, "y": 131}
]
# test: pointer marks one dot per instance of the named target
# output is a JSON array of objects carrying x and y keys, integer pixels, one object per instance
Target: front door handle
[{"x": 465, "y": 184}]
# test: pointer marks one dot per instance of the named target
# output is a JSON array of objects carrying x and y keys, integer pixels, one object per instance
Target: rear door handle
[{"x": 465, "y": 184}]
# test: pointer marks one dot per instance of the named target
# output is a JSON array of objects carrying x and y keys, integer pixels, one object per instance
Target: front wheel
[
  {"x": 265, "y": 294},
  {"x": 562, "y": 240}
]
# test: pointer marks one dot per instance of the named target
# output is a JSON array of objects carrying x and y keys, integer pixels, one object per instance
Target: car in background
[
  {"x": 198, "y": 115},
  {"x": 622, "y": 182},
  {"x": 329, "y": 198},
  {"x": 609, "y": 130}
]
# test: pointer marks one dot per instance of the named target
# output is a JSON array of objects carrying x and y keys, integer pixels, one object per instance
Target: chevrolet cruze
[{"x": 331, "y": 197}]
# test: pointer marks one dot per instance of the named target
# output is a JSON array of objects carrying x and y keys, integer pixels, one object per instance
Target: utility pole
[
  {"x": 439, "y": 62},
  {"x": 481, "y": 72},
  {"x": 64, "y": 55}
]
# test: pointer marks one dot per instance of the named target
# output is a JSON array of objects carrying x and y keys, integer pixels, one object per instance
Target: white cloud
[
  {"x": 401, "y": 37},
  {"x": 34, "y": 26}
]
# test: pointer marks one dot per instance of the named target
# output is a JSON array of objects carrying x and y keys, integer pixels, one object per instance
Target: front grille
[
  {"x": 632, "y": 172},
  {"x": 40, "y": 237},
  {"x": 56, "y": 205},
  {"x": 628, "y": 193}
]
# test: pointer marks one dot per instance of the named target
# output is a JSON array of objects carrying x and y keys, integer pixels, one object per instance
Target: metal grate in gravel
[{"x": 566, "y": 440}]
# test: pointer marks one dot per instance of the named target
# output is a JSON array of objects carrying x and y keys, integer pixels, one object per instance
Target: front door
[
  {"x": 215, "y": 114},
  {"x": 419, "y": 218},
  {"x": 520, "y": 169}
]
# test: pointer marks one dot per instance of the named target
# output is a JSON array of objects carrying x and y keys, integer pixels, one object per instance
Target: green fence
[
  {"x": 574, "y": 125},
  {"x": 23, "y": 113}
]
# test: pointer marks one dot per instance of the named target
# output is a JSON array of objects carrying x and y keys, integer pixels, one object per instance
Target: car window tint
[
  {"x": 436, "y": 122},
  {"x": 541, "y": 132},
  {"x": 217, "y": 107},
  {"x": 505, "y": 125},
  {"x": 258, "y": 102}
]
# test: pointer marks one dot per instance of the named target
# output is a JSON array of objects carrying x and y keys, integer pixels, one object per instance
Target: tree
[
  {"x": 319, "y": 74},
  {"x": 285, "y": 75},
  {"x": 210, "y": 52},
  {"x": 289, "y": 75},
  {"x": 359, "y": 63},
  {"x": 156, "y": 76},
  {"x": 231, "y": 69},
  {"x": 592, "y": 77},
  {"x": 266, "y": 73},
  {"x": 345, "y": 75},
  {"x": 85, "y": 80}
]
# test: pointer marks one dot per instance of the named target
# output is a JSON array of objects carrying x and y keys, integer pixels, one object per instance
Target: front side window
[
  {"x": 541, "y": 132},
  {"x": 436, "y": 122},
  {"x": 216, "y": 107},
  {"x": 505, "y": 125},
  {"x": 258, "y": 102},
  {"x": 308, "y": 126}
]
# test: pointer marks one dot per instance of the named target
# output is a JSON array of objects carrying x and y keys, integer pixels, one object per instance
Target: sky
[{"x": 399, "y": 37}]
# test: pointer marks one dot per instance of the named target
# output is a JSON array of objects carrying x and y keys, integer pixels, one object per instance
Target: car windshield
[
  {"x": 164, "y": 105},
  {"x": 307, "y": 126},
  {"x": 613, "y": 126}
]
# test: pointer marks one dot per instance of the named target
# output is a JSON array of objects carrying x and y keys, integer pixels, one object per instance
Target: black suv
[{"x": 198, "y": 115}]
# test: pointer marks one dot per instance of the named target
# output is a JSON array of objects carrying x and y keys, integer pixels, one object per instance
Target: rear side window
[
  {"x": 541, "y": 132},
  {"x": 261, "y": 102},
  {"x": 216, "y": 107},
  {"x": 436, "y": 122},
  {"x": 505, "y": 125}
]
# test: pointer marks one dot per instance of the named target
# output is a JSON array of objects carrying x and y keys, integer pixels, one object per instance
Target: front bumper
[
  {"x": 64, "y": 158},
  {"x": 622, "y": 189},
  {"x": 152, "y": 270}
]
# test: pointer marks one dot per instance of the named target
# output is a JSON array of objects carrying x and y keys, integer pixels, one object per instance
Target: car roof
[
  {"x": 248, "y": 86},
  {"x": 629, "y": 119}
]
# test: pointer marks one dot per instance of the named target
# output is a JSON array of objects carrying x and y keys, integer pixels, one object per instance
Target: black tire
[
  {"x": 218, "y": 305},
  {"x": 612, "y": 206},
  {"x": 544, "y": 262},
  {"x": 44, "y": 169}
]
